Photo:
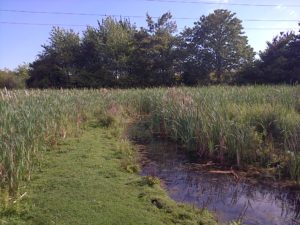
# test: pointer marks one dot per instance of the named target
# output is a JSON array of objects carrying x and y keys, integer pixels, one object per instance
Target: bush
[{"x": 10, "y": 80}]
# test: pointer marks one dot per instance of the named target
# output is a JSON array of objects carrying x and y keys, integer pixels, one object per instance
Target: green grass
[
  {"x": 89, "y": 177},
  {"x": 83, "y": 181},
  {"x": 238, "y": 126}
]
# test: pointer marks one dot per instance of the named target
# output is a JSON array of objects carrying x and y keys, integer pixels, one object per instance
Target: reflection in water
[{"x": 231, "y": 200}]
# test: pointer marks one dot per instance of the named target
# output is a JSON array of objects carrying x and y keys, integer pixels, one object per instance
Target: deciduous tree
[
  {"x": 278, "y": 63},
  {"x": 56, "y": 64},
  {"x": 220, "y": 46},
  {"x": 152, "y": 61}
]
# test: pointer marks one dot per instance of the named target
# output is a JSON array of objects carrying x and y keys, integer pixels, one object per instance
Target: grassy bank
[{"x": 89, "y": 180}]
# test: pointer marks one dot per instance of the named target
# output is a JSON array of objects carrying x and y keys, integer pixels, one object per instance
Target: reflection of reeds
[
  {"x": 219, "y": 192},
  {"x": 211, "y": 193},
  {"x": 232, "y": 195}
]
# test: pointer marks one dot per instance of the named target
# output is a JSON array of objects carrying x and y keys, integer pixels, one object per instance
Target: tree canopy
[
  {"x": 216, "y": 47},
  {"x": 57, "y": 62},
  {"x": 278, "y": 63},
  {"x": 118, "y": 54}
]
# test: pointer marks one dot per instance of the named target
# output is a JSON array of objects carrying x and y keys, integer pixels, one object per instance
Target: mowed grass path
[{"x": 82, "y": 182}]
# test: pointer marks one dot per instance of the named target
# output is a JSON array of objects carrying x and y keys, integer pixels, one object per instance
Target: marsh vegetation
[{"x": 238, "y": 127}]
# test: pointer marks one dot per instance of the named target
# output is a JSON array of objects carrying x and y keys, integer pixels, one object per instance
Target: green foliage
[
  {"x": 117, "y": 54},
  {"x": 279, "y": 63},
  {"x": 105, "y": 53},
  {"x": 13, "y": 79},
  {"x": 151, "y": 181},
  {"x": 152, "y": 60},
  {"x": 56, "y": 65},
  {"x": 106, "y": 120},
  {"x": 217, "y": 47},
  {"x": 293, "y": 167},
  {"x": 8, "y": 80}
]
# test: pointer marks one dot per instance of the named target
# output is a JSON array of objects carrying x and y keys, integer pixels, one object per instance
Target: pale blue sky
[{"x": 21, "y": 43}]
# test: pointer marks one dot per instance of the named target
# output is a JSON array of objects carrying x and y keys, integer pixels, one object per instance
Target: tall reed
[
  {"x": 257, "y": 125},
  {"x": 234, "y": 125}
]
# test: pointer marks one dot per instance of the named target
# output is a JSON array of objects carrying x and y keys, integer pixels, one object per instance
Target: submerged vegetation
[{"x": 237, "y": 126}]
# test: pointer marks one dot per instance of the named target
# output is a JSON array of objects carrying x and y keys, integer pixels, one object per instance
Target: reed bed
[
  {"x": 238, "y": 126},
  {"x": 235, "y": 125},
  {"x": 31, "y": 121}
]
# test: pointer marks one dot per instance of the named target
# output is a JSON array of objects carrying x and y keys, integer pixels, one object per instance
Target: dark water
[{"x": 229, "y": 199}]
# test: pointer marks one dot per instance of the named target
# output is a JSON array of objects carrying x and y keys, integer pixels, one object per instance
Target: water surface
[{"x": 222, "y": 194}]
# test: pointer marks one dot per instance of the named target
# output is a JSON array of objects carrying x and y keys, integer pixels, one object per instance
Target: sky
[{"x": 24, "y": 29}]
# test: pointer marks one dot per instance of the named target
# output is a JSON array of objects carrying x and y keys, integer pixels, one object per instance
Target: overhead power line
[
  {"x": 128, "y": 16},
  {"x": 85, "y": 25},
  {"x": 43, "y": 24},
  {"x": 224, "y": 3},
  {"x": 64, "y": 13}
]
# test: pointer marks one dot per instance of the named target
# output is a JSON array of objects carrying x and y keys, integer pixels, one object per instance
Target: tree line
[{"x": 118, "y": 54}]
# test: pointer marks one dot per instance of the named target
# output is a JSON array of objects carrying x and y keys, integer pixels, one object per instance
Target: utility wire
[
  {"x": 223, "y": 3},
  {"x": 42, "y": 24},
  {"x": 127, "y": 16},
  {"x": 64, "y": 13},
  {"x": 82, "y": 25}
]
